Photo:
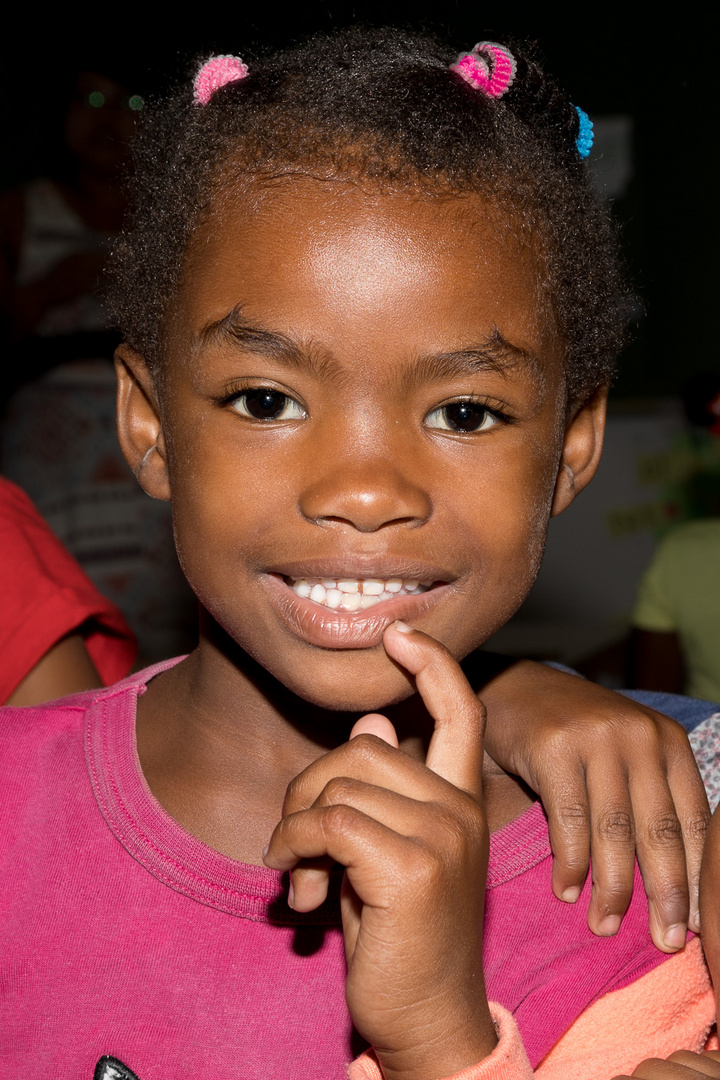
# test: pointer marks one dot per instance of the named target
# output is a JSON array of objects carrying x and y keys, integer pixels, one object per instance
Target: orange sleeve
[
  {"x": 508, "y": 1060},
  {"x": 671, "y": 1008}
]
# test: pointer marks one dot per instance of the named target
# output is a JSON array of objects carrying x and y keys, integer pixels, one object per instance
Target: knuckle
[
  {"x": 462, "y": 820},
  {"x": 574, "y": 817},
  {"x": 458, "y": 836},
  {"x": 672, "y": 895},
  {"x": 671, "y": 731},
  {"x": 476, "y": 819},
  {"x": 616, "y": 826},
  {"x": 571, "y": 866},
  {"x": 613, "y": 896},
  {"x": 453, "y": 839},
  {"x": 640, "y": 731},
  {"x": 339, "y": 819},
  {"x": 474, "y": 719},
  {"x": 367, "y": 748},
  {"x": 338, "y": 790},
  {"x": 665, "y": 831},
  {"x": 696, "y": 828},
  {"x": 428, "y": 868},
  {"x": 467, "y": 812},
  {"x": 287, "y": 828},
  {"x": 644, "y": 737},
  {"x": 293, "y": 794}
]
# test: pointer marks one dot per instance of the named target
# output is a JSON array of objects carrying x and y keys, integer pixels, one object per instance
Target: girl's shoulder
[{"x": 24, "y": 728}]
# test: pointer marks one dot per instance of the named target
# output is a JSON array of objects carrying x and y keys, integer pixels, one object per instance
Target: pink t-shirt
[{"x": 121, "y": 934}]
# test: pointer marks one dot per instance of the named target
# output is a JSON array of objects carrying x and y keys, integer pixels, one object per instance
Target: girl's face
[{"x": 361, "y": 390}]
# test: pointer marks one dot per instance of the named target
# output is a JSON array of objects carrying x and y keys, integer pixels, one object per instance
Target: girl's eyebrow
[
  {"x": 241, "y": 332},
  {"x": 496, "y": 354}
]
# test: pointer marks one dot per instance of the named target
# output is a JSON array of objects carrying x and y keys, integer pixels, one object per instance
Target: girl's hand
[
  {"x": 684, "y": 1065},
  {"x": 616, "y": 779},
  {"x": 414, "y": 841}
]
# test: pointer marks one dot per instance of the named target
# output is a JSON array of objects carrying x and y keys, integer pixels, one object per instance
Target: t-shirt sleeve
[
  {"x": 508, "y": 1060},
  {"x": 671, "y": 1008},
  {"x": 653, "y": 606},
  {"x": 45, "y": 595}
]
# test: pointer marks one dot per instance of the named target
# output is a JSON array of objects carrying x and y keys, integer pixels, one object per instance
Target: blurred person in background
[
  {"x": 676, "y": 620},
  {"x": 58, "y": 439},
  {"x": 58, "y": 634},
  {"x": 56, "y": 232}
]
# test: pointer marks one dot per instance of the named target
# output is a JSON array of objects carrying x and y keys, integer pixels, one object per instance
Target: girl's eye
[
  {"x": 462, "y": 416},
  {"x": 266, "y": 404}
]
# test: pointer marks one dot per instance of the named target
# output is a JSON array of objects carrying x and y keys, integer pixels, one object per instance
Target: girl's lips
[{"x": 337, "y": 629}]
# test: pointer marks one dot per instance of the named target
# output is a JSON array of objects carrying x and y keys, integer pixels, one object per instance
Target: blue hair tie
[{"x": 584, "y": 140}]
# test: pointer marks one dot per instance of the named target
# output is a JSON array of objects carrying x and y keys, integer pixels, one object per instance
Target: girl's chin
[{"x": 352, "y": 687}]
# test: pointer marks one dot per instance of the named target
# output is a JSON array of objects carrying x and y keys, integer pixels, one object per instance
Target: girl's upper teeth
[{"x": 355, "y": 594}]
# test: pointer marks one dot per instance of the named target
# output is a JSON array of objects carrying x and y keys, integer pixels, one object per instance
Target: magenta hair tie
[
  {"x": 216, "y": 72},
  {"x": 490, "y": 68}
]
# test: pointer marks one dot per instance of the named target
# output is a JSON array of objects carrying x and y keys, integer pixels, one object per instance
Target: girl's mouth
[
  {"x": 347, "y": 612},
  {"x": 355, "y": 594}
]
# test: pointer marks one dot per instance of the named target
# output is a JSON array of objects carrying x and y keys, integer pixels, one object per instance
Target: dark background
[{"x": 611, "y": 61}]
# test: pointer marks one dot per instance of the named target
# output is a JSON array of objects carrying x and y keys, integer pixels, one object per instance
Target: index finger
[{"x": 456, "y": 747}]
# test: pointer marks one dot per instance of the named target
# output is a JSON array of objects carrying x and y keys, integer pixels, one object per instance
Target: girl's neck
[{"x": 219, "y": 740}]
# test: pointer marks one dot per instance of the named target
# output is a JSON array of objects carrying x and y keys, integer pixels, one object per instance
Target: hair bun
[
  {"x": 216, "y": 72},
  {"x": 488, "y": 67}
]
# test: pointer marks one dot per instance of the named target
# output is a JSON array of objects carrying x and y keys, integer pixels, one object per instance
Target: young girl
[{"x": 370, "y": 307}]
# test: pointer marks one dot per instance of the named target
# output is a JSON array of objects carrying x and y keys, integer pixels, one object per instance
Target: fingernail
[
  {"x": 402, "y": 627},
  {"x": 570, "y": 895},
  {"x": 695, "y": 921},
  {"x": 291, "y": 896},
  {"x": 265, "y": 850},
  {"x": 609, "y": 925},
  {"x": 675, "y": 936}
]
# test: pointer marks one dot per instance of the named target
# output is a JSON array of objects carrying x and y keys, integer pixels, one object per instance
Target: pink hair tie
[
  {"x": 489, "y": 67},
  {"x": 216, "y": 72}
]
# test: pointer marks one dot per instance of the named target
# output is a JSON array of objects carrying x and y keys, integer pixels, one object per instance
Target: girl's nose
[{"x": 366, "y": 496}]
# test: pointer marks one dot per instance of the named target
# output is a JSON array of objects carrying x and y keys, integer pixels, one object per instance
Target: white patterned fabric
[{"x": 705, "y": 743}]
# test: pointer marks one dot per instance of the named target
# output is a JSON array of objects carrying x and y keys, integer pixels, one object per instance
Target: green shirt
[{"x": 680, "y": 592}]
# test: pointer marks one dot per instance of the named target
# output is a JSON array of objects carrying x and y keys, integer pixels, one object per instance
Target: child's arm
[
  {"x": 670, "y": 1007},
  {"x": 616, "y": 778},
  {"x": 66, "y": 668},
  {"x": 414, "y": 841}
]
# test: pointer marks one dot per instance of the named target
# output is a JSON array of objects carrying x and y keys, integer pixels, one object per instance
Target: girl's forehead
[{"x": 333, "y": 262}]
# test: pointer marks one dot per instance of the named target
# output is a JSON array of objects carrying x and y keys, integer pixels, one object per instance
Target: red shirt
[{"x": 44, "y": 595}]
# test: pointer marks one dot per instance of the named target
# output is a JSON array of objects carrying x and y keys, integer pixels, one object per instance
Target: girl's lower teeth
[{"x": 348, "y": 595}]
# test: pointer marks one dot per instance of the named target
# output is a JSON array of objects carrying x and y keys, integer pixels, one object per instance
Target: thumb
[{"x": 378, "y": 725}]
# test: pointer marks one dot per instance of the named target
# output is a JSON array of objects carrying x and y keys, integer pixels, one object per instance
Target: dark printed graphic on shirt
[{"x": 109, "y": 1068}]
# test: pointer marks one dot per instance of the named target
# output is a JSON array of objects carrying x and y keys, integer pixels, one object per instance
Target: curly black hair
[{"x": 381, "y": 106}]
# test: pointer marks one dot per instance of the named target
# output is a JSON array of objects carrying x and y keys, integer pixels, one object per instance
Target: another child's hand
[
  {"x": 414, "y": 841},
  {"x": 684, "y": 1065},
  {"x": 616, "y": 779}
]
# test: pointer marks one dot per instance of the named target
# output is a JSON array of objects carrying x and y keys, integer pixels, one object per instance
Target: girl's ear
[
  {"x": 139, "y": 423},
  {"x": 582, "y": 447}
]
